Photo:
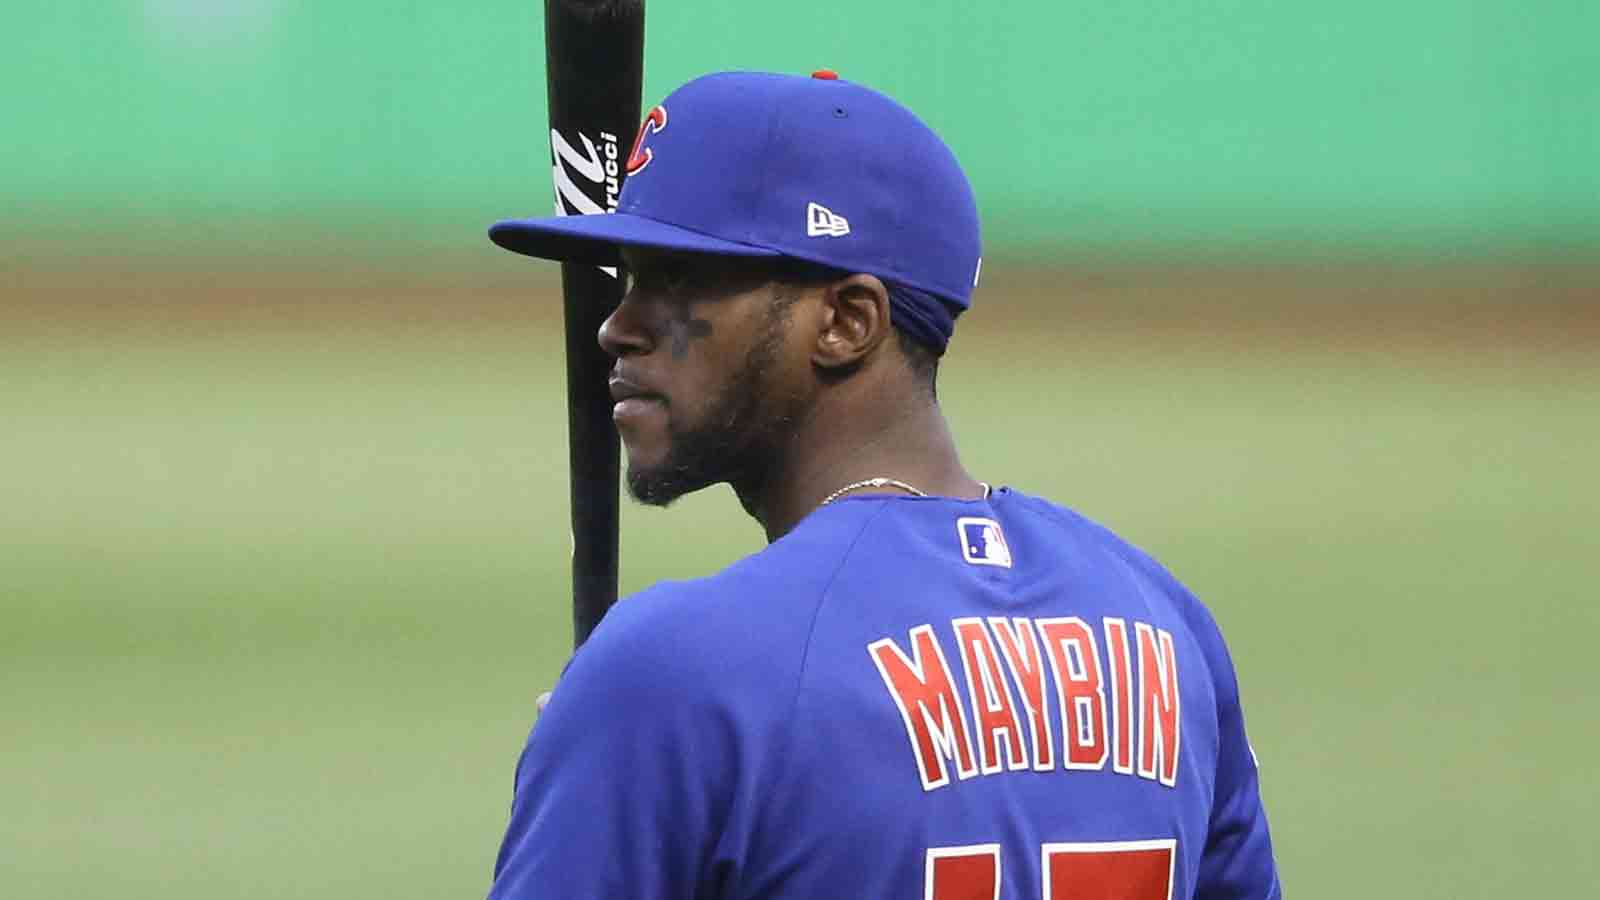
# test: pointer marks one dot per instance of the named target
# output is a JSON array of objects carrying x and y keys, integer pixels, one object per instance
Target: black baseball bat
[{"x": 594, "y": 71}]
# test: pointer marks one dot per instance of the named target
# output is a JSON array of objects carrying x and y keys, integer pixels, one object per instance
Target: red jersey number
[{"x": 1104, "y": 870}]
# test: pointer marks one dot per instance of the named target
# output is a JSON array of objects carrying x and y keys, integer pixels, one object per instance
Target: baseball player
[{"x": 925, "y": 686}]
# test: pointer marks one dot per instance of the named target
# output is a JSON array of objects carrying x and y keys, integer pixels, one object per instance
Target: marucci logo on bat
[{"x": 597, "y": 166}]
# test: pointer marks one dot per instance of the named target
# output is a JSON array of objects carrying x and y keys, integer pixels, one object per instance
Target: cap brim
[{"x": 595, "y": 239}]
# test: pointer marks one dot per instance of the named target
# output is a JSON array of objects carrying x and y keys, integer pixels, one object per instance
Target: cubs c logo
[{"x": 641, "y": 155}]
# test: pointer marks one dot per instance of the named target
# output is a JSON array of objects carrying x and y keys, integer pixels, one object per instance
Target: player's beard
[{"x": 740, "y": 437}]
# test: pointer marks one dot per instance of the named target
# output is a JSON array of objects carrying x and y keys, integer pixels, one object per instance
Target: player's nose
[{"x": 624, "y": 333}]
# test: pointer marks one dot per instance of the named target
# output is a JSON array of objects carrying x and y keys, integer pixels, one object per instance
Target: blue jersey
[{"x": 904, "y": 697}]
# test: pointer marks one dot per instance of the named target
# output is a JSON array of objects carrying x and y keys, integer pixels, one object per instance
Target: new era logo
[
  {"x": 982, "y": 542},
  {"x": 824, "y": 222}
]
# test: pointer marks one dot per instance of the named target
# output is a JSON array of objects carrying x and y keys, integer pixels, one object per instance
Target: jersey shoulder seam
[
  {"x": 783, "y": 747},
  {"x": 1142, "y": 566},
  {"x": 1130, "y": 554}
]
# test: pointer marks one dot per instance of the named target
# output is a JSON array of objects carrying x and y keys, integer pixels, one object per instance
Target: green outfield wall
[{"x": 1435, "y": 127}]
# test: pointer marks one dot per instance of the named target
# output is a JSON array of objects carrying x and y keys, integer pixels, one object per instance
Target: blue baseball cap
[{"x": 816, "y": 169}]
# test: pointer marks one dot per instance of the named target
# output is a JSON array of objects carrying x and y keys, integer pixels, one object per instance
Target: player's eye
[{"x": 674, "y": 278}]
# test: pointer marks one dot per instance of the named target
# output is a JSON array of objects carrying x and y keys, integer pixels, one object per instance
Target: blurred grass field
[{"x": 285, "y": 557}]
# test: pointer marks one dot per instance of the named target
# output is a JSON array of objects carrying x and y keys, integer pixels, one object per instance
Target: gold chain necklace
[
  {"x": 880, "y": 481},
  {"x": 873, "y": 483}
]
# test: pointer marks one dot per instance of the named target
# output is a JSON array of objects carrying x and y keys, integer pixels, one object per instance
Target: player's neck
[{"x": 909, "y": 442}]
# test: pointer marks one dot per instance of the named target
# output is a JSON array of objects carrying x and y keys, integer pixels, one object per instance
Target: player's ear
[{"x": 855, "y": 321}]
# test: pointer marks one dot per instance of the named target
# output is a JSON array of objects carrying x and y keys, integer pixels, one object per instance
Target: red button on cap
[{"x": 825, "y": 75}]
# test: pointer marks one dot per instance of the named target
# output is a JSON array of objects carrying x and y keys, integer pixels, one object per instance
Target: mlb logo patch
[{"x": 982, "y": 542}]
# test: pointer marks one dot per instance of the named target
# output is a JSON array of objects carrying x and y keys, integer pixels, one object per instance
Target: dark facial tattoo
[
  {"x": 739, "y": 436},
  {"x": 683, "y": 327}
]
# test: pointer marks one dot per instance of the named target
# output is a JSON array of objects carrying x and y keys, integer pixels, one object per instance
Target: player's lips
[
  {"x": 632, "y": 400},
  {"x": 623, "y": 389}
]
